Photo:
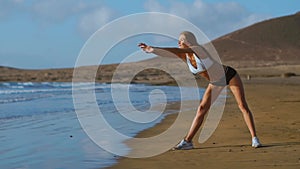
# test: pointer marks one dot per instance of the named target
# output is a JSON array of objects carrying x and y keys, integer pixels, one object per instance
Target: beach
[
  {"x": 272, "y": 93},
  {"x": 275, "y": 103}
]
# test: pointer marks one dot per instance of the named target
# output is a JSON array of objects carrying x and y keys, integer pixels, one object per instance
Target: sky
[{"x": 40, "y": 34}]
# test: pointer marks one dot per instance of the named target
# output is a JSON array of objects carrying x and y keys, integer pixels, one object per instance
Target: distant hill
[{"x": 271, "y": 42}]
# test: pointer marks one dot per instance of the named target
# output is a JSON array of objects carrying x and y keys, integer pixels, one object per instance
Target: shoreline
[{"x": 230, "y": 145}]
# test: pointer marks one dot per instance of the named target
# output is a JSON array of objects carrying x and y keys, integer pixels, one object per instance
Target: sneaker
[
  {"x": 255, "y": 142},
  {"x": 184, "y": 145}
]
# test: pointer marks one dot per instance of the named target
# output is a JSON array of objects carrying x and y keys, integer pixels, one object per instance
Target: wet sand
[{"x": 275, "y": 103}]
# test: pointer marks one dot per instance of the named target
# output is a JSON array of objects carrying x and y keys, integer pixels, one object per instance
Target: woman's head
[{"x": 187, "y": 39}]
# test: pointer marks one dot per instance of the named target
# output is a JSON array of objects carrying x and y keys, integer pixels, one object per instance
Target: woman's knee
[
  {"x": 203, "y": 109},
  {"x": 243, "y": 107}
]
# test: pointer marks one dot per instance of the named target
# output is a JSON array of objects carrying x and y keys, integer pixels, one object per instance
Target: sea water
[{"x": 39, "y": 126}]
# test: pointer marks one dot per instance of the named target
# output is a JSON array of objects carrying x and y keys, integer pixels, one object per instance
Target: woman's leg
[
  {"x": 236, "y": 86},
  {"x": 210, "y": 95}
]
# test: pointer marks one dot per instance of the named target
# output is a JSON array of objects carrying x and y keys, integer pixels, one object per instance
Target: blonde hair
[{"x": 190, "y": 38}]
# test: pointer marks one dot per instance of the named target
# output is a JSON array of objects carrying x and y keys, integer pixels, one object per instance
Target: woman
[{"x": 200, "y": 62}]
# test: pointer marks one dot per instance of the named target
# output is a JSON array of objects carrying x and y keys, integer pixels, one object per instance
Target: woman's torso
[{"x": 209, "y": 69}]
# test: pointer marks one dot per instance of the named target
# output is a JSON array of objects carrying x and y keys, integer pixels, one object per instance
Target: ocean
[{"x": 40, "y": 129}]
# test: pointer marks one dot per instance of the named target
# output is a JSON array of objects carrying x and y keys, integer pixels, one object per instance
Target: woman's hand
[{"x": 146, "y": 48}]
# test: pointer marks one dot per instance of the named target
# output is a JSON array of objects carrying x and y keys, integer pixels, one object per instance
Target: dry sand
[{"x": 275, "y": 103}]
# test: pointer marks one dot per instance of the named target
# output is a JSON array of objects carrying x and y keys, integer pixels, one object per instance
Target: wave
[
  {"x": 12, "y": 92},
  {"x": 30, "y": 87},
  {"x": 14, "y": 100},
  {"x": 43, "y": 84},
  {"x": 23, "y": 99}
]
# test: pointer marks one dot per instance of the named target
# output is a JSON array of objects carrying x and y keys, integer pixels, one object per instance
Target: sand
[{"x": 275, "y": 103}]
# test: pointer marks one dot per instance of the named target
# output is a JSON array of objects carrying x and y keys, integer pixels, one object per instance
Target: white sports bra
[{"x": 202, "y": 64}]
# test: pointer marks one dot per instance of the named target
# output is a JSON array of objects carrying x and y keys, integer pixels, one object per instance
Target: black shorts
[{"x": 229, "y": 74}]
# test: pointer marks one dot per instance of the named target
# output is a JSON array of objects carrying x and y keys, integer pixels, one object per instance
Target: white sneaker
[
  {"x": 184, "y": 145},
  {"x": 255, "y": 142}
]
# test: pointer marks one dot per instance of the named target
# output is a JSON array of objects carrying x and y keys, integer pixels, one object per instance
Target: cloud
[
  {"x": 154, "y": 6},
  {"x": 47, "y": 11},
  {"x": 214, "y": 19},
  {"x": 8, "y": 8},
  {"x": 57, "y": 11},
  {"x": 93, "y": 20},
  {"x": 89, "y": 16}
]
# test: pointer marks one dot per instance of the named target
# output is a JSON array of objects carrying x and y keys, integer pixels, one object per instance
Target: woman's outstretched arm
[{"x": 166, "y": 52}]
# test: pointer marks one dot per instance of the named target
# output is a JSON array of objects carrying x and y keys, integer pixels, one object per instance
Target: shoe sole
[
  {"x": 257, "y": 146},
  {"x": 185, "y": 148}
]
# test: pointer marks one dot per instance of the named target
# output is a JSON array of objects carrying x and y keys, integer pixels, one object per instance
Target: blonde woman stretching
[{"x": 200, "y": 62}]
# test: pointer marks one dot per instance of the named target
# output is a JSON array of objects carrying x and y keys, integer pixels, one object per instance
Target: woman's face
[{"x": 182, "y": 42}]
